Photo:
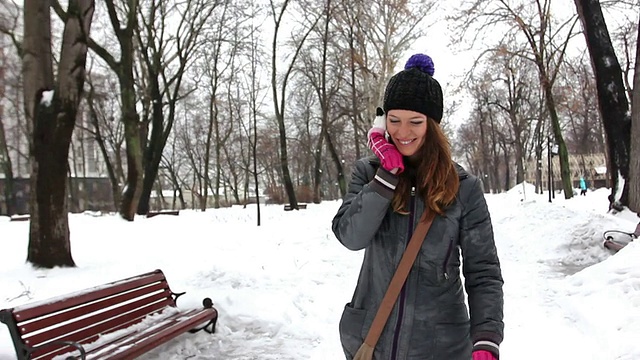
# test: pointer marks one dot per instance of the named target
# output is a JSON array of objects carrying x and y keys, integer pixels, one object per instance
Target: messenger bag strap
[{"x": 397, "y": 282}]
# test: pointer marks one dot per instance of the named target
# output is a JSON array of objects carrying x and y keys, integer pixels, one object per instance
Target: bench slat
[
  {"x": 116, "y": 323},
  {"x": 132, "y": 348},
  {"x": 30, "y": 311},
  {"x": 120, "y": 311},
  {"x": 86, "y": 309},
  {"x": 117, "y": 346}
]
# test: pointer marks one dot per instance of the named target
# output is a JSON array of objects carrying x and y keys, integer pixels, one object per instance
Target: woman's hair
[{"x": 436, "y": 178}]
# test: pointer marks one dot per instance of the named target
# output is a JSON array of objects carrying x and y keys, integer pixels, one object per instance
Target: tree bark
[
  {"x": 563, "y": 153},
  {"x": 54, "y": 108},
  {"x": 153, "y": 150},
  {"x": 612, "y": 101}
]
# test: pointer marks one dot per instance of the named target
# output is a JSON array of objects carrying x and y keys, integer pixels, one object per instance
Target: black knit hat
[{"x": 414, "y": 88}]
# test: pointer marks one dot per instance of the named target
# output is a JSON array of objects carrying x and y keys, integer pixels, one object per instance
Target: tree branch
[{"x": 105, "y": 55}]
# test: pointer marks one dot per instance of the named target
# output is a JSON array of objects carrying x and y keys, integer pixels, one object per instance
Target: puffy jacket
[{"x": 430, "y": 320}]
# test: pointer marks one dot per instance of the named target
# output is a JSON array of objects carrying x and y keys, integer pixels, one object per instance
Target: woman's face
[{"x": 407, "y": 130}]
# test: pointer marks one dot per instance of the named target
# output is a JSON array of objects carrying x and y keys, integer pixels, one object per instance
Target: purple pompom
[{"x": 422, "y": 62}]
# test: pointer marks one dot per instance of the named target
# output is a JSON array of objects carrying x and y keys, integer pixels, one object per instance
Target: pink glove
[
  {"x": 483, "y": 355},
  {"x": 390, "y": 157}
]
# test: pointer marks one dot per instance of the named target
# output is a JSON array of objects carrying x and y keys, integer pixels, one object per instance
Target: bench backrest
[{"x": 82, "y": 316}]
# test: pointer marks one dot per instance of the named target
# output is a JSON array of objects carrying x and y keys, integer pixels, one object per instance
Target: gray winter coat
[{"x": 430, "y": 320}]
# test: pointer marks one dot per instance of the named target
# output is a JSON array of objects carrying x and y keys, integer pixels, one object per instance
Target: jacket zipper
[
  {"x": 396, "y": 332},
  {"x": 446, "y": 259}
]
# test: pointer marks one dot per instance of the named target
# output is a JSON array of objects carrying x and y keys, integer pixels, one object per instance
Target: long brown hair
[{"x": 436, "y": 176}]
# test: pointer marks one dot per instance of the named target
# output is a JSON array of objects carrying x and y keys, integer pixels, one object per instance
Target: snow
[
  {"x": 47, "y": 97},
  {"x": 280, "y": 288},
  {"x": 620, "y": 188}
]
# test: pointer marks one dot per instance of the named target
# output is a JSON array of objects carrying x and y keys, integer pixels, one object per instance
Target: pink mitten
[
  {"x": 390, "y": 157},
  {"x": 483, "y": 355}
]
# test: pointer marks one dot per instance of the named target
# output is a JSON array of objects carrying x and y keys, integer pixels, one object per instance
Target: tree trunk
[
  {"x": 153, "y": 151},
  {"x": 216, "y": 190},
  {"x": 54, "y": 115},
  {"x": 284, "y": 162},
  {"x": 342, "y": 179},
  {"x": 354, "y": 96},
  {"x": 207, "y": 151},
  {"x": 634, "y": 161},
  {"x": 519, "y": 148},
  {"x": 133, "y": 186},
  {"x": 612, "y": 100},
  {"x": 485, "y": 156},
  {"x": 317, "y": 167},
  {"x": 279, "y": 104},
  {"x": 563, "y": 154}
]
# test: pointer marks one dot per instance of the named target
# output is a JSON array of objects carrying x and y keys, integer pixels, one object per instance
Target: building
[{"x": 593, "y": 167}]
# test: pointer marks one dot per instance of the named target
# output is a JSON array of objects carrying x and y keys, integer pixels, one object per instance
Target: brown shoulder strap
[{"x": 400, "y": 276}]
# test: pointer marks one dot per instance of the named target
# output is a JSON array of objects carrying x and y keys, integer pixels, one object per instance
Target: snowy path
[
  {"x": 548, "y": 311},
  {"x": 535, "y": 266},
  {"x": 535, "y": 322}
]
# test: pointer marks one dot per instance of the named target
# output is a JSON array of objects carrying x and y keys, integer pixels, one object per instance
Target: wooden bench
[
  {"x": 138, "y": 314},
  {"x": 163, "y": 212},
  {"x": 288, "y": 207}
]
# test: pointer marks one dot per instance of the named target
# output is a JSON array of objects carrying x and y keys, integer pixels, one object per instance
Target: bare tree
[
  {"x": 172, "y": 164},
  {"x": 124, "y": 70},
  {"x": 545, "y": 50},
  {"x": 579, "y": 104},
  {"x": 321, "y": 69},
  {"x": 109, "y": 136},
  {"x": 280, "y": 89},
  {"x": 512, "y": 78},
  {"x": 612, "y": 99},
  {"x": 216, "y": 60},
  {"x": 17, "y": 128},
  {"x": 624, "y": 36},
  {"x": 166, "y": 57},
  {"x": 54, "y": 107},
  {"x": 251, "y": 88}
]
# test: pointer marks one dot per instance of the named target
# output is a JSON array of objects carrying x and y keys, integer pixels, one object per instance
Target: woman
[{"x": 413, "y": 172}]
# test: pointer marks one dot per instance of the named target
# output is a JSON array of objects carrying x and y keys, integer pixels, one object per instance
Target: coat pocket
[
  {"x": 452, "y": 333},
  {"x": 351, "y": 329}
]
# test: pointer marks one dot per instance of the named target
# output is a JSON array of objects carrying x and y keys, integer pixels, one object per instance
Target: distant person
[
  {"x": 583, "y": 186},
  {"x": 413, "y": 174}
]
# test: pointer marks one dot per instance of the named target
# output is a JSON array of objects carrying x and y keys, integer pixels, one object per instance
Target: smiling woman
[{"x": 412, "y": 183}]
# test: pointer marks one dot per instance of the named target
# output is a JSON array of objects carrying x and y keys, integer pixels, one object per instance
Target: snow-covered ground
[{"x": 280, "y": 288}]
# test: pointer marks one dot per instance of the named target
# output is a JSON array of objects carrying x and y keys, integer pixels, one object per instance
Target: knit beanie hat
[{"x": 415, "y": 89}]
